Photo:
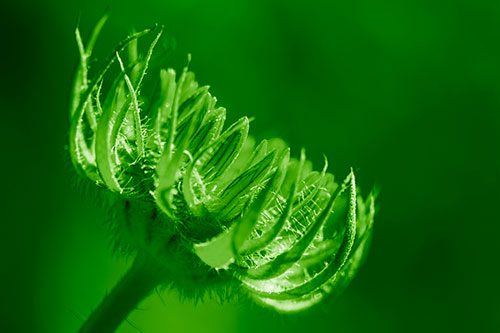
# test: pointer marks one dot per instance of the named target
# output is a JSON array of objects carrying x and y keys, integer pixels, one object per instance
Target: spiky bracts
[{"x": 207, "y": 200}]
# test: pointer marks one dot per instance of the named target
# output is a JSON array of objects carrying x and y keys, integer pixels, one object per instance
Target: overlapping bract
[{"x": 290, "y": 234}]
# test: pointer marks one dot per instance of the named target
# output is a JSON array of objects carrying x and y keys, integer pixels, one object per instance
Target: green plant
[{"x": 200, "y": 206}]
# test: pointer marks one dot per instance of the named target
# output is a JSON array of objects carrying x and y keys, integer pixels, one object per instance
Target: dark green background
[{"x": 407, "y": 92}]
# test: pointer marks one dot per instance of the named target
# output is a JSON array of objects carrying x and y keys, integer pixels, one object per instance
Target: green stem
[{"x": 144, "y": 275}]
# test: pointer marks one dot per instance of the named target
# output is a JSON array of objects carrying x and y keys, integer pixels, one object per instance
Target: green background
[{"x": 407, "y": 92}]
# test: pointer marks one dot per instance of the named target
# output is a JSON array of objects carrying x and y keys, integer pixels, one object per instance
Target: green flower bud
[{"x": 195, "y": 191}]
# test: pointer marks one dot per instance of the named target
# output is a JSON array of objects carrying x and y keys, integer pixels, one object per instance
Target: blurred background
[{"x": 407, "y": 92}]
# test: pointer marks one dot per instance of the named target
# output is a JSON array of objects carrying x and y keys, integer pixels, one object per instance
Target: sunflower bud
[{"x": 291, "y": 235}]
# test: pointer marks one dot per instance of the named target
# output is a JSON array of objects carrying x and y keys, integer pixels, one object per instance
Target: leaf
[
  {"x": 78, "y": 151},
  {"x": 225, "y": 152},
  {"x": 236, "y": 194},
  {"x": 280, "y": 290},
  {"x": 285, "y": 260},
  {"x": 194, "y": 179},
  {"x": 248, "y": 221},
  {"x": 255, "y": 245},
  {"x": 217, "y": 252}
]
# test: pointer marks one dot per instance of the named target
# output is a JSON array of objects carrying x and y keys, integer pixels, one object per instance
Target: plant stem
[{"x": 141, "y": 279}]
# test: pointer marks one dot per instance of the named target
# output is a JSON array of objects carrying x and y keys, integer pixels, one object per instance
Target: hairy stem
[{"x": 144, "y": 275}]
